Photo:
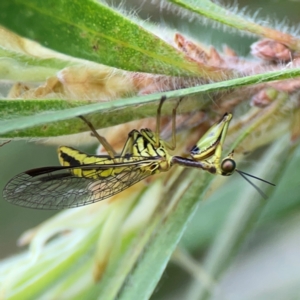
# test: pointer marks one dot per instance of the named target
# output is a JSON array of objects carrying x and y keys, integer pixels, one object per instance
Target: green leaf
[
  {"x": 108, "y": 113},
  {"x": 47, "y": 272},
  {"x": 240, "y": 218},
  {"x": 93, "y": 31},
  {"x": 148, "y": 254},
  {"x": 215, "y": 12},
  {"x": 153, "y": 261},
  {"x": 25, "y": 109},
  {"x": 17, "y": 67}
]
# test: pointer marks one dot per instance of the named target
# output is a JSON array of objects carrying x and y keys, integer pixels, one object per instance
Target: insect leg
[
  {"x": 128, "y": 147},
  {"x": 109, "y": 149},
  {"x": 158, "y": 117},
  {"x": 172, "y": 145}
]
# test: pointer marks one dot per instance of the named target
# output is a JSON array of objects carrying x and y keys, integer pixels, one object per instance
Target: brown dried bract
[
  {"x": 263, "y": 98},
  {"x": 272, "y": 51}
]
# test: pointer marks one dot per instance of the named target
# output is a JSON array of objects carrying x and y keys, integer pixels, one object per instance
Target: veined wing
[{"x": 58, "y": 187}]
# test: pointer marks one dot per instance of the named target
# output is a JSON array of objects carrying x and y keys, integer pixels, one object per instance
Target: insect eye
[{"x": 228, "y": 165}]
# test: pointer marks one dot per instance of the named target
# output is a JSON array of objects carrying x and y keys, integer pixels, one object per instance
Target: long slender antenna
[
  {"x": 243, "y": 174},
  {"x": 6, "y": 142},
  {"x": 268, "y": 182}
]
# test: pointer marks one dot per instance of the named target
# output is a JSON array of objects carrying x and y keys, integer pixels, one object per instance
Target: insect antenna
[
  {"x": 244, "y": 175},
  {"x": 4, "y": 143}
]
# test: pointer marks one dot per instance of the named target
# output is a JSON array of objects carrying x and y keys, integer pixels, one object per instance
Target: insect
[{"x": 84, "y": 179}]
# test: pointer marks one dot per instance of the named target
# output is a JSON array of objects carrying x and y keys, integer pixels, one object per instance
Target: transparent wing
[{"x": 57, "y": 188}]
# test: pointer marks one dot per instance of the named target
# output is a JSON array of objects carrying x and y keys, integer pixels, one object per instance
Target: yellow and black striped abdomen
[
  {"x": 71, "y": 157},
  {"x": 101, "y": 167}
]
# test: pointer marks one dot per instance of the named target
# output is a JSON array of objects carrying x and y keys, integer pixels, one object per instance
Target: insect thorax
[{"x": 148, "y": 145}]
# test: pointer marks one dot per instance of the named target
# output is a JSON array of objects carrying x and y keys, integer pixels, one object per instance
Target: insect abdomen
[{"x": 71, "y": 157}]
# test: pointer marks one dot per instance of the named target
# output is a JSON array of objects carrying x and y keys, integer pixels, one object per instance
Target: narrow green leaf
[
  {"x": 110, "y": 109},
  {"x": 52, "y": 63},
  {"x": 240, "y": 221},
  {"x": 17, "y": 67},
  {"x": 48, "y": 271},
  {"x": 24, "y": 109},
  {"x": 153, "y": 261},
  {"x": 136, "y": 274},
  {"x": 218, "y": 13},
  {"x": 59, "y": 114}
]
